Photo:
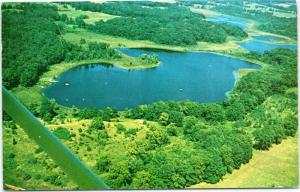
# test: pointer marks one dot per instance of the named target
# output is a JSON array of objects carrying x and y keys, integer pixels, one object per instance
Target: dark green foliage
[
  {"x": 11, "y": 155},
  {"x": 48, "y": 110},
  {"x": 234, "y": 31},
  {"x": 62, "y": 133},
  {"x": 92, "y": 51},
  {"x": 176, "y": 118},
  {"x": 215, "y": 169},
  {"x": 264, "y": 138},
  {"x": 119, "y": 174},
  {"x": 254, "y": 88},
  {"x": 290, "y": 125},
  {"x": 105, "y": 114},
  {"x": 173, "y": 25},
  {"x": 102, "y": 165},
  {"x": 172, "y": 130},
  {"x": 142, "y": 180},
  {"x": 82, "y": 41},
  {"x": 282, "y": 26},
  {"x": 97, "y": 124},
  {"x": 26, "y": 58},
  {"x": 26, "y": 176},
  {"x": 235, "y": 111},
  {"x": 120, "y": 128},
  {"x": 212, "y": 113},
  {"x": 39, "y": 150},
  {"x": 156, "y": 137},
  {"x": 131, "y": 132}
]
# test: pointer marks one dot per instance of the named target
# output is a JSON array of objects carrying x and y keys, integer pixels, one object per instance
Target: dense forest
[
  {"x": 164, "y": 24},
  {"x": 32, "y": 41}
]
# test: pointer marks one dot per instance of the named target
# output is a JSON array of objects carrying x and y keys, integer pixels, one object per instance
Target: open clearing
[
  {"x": 92, "y": 16},
  {"x": 274, "y": 168}
]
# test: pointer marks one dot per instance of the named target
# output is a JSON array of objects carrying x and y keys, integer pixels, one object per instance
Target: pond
[
  {"x": 260, "y": 46},
  {"x": 236, "y": 21},
  {"x": 198, "y": 76},
  {"x": 268, "y": 38}
]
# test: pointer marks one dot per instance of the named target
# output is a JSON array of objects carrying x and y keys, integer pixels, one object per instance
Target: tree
[
  {"x": 96, "y": 124},
  {"x": 172, "y": 130},
  {"x": 62, "y": 133},
  {"x": 156, "y": 137},
  {"x": 82, "y": 41},
  {"x": 142, "y": 180},
  {"x": 263, "y": 138},
  {"x": 176, "y": 118},
  {"x": 120, "y": 128},
  {"x": 103, "y": 164},
  {"x": 290, "y": 125},
  {"x": 48, "y": 109},
  {"x": 215, "y": 169}
]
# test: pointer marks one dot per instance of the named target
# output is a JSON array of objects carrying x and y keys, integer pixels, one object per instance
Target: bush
[
  {"x": 62, "y": 133},
  {"x": 97, "y": 124},
  {"x": 120, "y": 128}
]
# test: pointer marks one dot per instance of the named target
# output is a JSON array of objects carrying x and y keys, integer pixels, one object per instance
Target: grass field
[
  {"x": 75, "y": 35},
  {"x": 277, "y": 167},
  {"x": 92, "y": 16}
]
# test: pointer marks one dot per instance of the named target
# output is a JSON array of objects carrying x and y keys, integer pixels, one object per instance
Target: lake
[
  {"x": 259, "y": 43},
  {"x": 236, "y": 21},
  {"x": 198, "y": 76}
]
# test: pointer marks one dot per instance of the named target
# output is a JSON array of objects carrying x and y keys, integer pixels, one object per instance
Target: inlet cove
[{"x": 198, "y": 76}]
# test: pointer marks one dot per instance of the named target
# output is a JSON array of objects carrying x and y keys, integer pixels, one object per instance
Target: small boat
[
  {"x": 66, "y": 83},
  {"x": 180, "y": 89}
]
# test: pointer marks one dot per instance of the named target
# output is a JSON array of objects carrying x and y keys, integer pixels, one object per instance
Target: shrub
[{"x": 62, "y": 133}]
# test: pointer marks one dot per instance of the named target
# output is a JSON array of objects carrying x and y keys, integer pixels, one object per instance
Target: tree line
[{"x": 165, "y": 24}]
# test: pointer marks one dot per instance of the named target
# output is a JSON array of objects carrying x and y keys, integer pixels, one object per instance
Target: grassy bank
[
  {"x": 34, "y": 95},
  {"x": 274, "y": 168},
  {"x": 125, "y": 63},
  {"x": 75, "y": 35}
]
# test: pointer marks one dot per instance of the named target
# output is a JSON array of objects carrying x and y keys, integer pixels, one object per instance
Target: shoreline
[{"x": 48, "y": 78}]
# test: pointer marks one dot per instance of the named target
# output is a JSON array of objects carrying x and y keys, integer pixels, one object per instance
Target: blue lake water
[
  {"x": 197, "y": 76},
  {"x": 267, "y": 38},
  {"x": 259, "y": 43},
  {"x": 260, "y": 46},
  {"x": 240, "y": 22}
]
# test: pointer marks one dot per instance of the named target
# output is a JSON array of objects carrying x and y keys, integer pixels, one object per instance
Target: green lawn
[{"x": 277, "y": 167}]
